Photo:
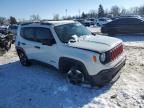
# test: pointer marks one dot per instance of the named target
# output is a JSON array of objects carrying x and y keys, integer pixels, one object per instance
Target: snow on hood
[{"x": 97, "y": 43}]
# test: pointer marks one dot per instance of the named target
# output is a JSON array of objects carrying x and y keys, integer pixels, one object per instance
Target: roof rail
[
  {"x": 43, "y": 22},
  {"x": 27, "y": 23}
]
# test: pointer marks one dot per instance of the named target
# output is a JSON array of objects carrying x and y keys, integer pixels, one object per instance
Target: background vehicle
[
  {"x": 5, "y": 40},
  {"x": 130, "y": 25},
  {"x": 102, "y": 21},
  {"x": 126, "y": 16},
  {"x": 71, "y": 48},
  {"x": 93, "y": 21},
  {"x": 87, "y": 23},
  {"x": 80, "y": 20},
  {"x": 3, "y": 28},
  {"x": 13, "y": 29}
]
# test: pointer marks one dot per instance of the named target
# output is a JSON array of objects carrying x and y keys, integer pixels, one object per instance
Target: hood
[{"x": 96, "y": 43}]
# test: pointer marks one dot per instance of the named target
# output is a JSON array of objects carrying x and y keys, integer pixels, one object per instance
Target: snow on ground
[{"x": 40, "y": 86}]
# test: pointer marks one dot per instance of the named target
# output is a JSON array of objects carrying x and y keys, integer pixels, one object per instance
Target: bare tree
[
  {"x": 2, "y": 20},
  {"x": 141, "y": 10},
  {"x": 123, "y": 12},
  {"x": 83, "y": 15},
  {"x": 115, "y": 10},
  {"x": 92, "y": 13},
  {"x": 35, "y": 17},
  {"x": 56, "y": 17},
  {"x": 13, "y": 20}
]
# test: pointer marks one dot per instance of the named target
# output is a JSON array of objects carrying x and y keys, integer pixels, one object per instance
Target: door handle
[
  {"x": 37, "y": 47},
  {"x": 23, "y": 43}
]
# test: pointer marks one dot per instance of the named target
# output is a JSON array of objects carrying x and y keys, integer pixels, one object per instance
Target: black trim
[
  {"x": 42, "y": 23},
  {"x": 46, "y": 24},
  {"x": 26, "y": 23}
]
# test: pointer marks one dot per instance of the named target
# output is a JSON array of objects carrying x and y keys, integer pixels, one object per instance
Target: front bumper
[{"x": 108, "y": 75}]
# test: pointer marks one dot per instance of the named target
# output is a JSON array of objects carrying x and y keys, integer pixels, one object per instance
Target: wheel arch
[{"x": 65, "y": 63}]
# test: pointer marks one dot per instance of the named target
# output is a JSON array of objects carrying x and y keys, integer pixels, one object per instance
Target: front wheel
[{"x": 75, "y": 76}]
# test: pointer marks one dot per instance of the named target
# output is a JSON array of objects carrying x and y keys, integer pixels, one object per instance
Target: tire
[
  {"x": 23, "y": 59},
  {"x": 7, "y": 44},
  {"x": 75, "y": 76}
]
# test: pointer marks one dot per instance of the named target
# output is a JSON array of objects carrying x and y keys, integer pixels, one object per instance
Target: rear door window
[{"x": 28, "y": 33}]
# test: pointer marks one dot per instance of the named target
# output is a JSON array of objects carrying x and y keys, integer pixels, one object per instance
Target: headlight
[{"x": 103, "y": 57}]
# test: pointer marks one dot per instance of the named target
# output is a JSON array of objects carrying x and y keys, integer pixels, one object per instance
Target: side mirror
[{"x": 49, "y": 42}]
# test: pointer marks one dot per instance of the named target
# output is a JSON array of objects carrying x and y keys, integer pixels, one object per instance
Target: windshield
[{"x": 67, "y": 31}]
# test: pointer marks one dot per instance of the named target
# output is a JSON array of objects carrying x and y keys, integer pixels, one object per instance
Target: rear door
[{"x": 28, "y": 42}]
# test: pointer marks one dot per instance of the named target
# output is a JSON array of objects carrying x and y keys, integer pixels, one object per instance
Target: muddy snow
[{"x": 40, "y": 86}]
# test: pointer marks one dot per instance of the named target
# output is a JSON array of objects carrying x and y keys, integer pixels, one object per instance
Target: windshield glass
[{"x": 67, "y": 31}]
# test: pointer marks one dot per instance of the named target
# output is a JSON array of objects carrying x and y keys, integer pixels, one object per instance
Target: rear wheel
[{"x": 23, "y": 59}]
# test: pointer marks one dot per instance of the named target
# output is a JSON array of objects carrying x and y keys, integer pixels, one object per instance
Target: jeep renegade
[{"x": 71, "y": 48}]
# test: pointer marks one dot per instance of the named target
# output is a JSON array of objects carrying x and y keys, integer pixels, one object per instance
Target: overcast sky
[{"x": 47, "y": 8}]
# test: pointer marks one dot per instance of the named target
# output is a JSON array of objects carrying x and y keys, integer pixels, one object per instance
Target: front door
[{"x": 47, "y": 53}]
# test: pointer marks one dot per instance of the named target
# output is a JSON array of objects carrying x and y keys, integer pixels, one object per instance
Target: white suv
[{"x": 71, "y": 48}]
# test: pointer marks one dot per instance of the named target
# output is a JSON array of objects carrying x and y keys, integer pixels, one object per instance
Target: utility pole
[
  {"x": 79, "y": 13},
  {"x": 66, "y": 13}
]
